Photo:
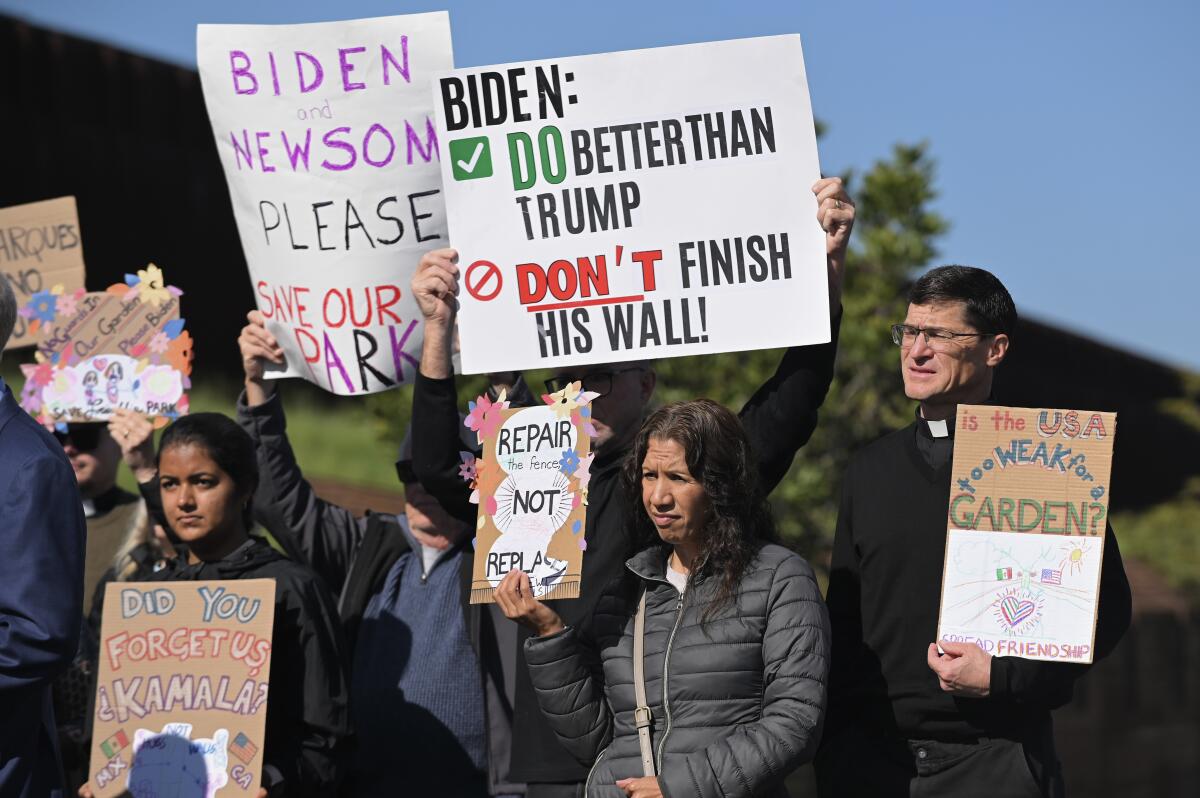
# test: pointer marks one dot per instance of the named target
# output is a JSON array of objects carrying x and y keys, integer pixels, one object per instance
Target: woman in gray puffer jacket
[{"x": 736, "y": 633}]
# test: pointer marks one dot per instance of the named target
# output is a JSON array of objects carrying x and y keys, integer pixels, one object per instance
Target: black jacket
[
  {"x": 308, "y": 723},
  {"x": 779, "y": 419},
  {"x": 884, "y": 594}
]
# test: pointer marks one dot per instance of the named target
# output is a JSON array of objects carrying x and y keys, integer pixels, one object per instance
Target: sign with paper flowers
[
  {"x": 125, "y": 347},
  {"x": 531, "y": 484}
]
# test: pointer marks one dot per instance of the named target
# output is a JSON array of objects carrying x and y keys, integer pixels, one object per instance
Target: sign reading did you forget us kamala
[
  {"x": 326, "y": 134},
  {"x": 634, "y": 205}
]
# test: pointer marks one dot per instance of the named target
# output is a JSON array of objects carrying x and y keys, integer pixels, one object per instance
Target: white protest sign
[
  {"x": 634, "y": 205},
  {"x": 327, "y": 138}
]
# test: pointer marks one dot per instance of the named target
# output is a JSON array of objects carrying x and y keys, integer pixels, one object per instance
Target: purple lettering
[
  {"x": 332, "y": 361},
  {"x": 300, "y": 151},
  {"x": 243, "y": 151},
  {"x": 347, "y": 67},
  {"x": 431, "y": 146},
  {"x": 366, "y": 149},
  {"x": 401, "y": 67},
  {"x": 337, "y": 144},
  {"x": 242, "y": 71},
  {"x": 263, "y": 151},
  {"x": 318, "y": 72}
]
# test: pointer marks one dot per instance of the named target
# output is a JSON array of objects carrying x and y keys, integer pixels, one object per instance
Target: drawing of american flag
[
  {"x": 1051, "y": 577},
  {"x": 242, "y": 748}
]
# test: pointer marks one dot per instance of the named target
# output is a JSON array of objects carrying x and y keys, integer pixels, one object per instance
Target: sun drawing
[{"x": 1074, "y": 558}]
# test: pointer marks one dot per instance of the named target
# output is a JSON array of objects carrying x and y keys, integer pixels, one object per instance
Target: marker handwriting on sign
[
  {"x": 142, "y": 695},
  {"x": 219, "y": 604}
]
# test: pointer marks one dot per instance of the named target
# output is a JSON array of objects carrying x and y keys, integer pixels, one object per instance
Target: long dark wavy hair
[{"x": 718, "y": 456}]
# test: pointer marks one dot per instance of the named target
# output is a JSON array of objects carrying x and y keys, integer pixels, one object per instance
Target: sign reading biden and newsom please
[
  {"x": 1028, "y": 508},
  {"x": 634, "y": 205},
  {"x": 326, "y": 134}
]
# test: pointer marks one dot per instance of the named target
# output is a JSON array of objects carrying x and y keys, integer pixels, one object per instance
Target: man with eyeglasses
[
  {"x": 905, "y": 718},
  {"x": 779, "y": 419},
  {"x": 41, "y": 587}
]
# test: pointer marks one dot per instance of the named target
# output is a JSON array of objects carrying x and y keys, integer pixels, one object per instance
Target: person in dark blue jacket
[{"x": 41, "y": 587}]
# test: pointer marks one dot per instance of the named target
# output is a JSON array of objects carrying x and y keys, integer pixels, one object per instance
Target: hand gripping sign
[
  {"x": 326, "y": 134},
  {"x": 624, "y": 206},
  {"x": 531, "y": 485},
  {"x": 1028, "y": 501}
]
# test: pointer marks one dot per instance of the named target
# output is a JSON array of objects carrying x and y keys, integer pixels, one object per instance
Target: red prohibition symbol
[{"x": 483, "y": 280}]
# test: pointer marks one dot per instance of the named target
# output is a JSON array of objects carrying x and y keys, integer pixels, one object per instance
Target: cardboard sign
[
  {"x": 181, "y": 698},
  {"x": 1025, "y": 538},
  {"x": 40, "y": 248},
  {"x": 125, "y": 347},
  {"x": 531, "y": 485},
  {"x": 644, "y": 204},
  {"x": 326, "y": 134}
]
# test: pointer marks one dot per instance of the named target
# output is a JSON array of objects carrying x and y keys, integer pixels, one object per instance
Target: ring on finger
[{"x": 837, "y": 203}]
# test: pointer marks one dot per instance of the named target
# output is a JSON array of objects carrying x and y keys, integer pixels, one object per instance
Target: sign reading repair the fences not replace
[
  {"x": 634, "y": 205},
  {"x": 181, "y": 697},
  {"x": 326, "y": 134},
  {"x": 1028, "y": 506},
  {"x": 531, "y": 485}
]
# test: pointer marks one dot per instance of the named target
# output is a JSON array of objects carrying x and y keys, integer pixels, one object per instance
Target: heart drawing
[{"x": 1015, "y": 611}]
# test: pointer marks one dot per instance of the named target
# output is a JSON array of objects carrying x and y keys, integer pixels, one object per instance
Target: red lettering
[
  {"x": 333, "y": 292},
  {"x": 384, "y": 305},
  {"x": 531, "y": 283},
  {"x": 648, "y": 260}
]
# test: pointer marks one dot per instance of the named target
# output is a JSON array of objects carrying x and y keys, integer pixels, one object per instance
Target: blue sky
[{"x": 1065, "y": 133}]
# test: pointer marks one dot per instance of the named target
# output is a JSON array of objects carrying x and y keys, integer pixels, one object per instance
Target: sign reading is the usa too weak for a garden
[
  {"x": 634, "y": 205},
  {"x": 326, "y": 135},
  {"x": 1028, "y": 510}
]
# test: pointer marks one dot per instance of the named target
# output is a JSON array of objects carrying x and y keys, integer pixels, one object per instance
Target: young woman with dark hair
[
  {"x": 736, "y": 638},
  {"x": 207, "y": 474}
]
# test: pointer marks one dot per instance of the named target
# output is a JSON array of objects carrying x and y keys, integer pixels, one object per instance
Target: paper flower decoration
[
  {"x": 151, "y": 288},
  {"x": 582, "y": 419},
  {"x": 467, "y": 469},
  {"x": 563, "y": 402},
  {"x": 583, "y": 470},
  {"x": 42, "y": 306},
  {"x": 485, "y": 416},
  {"x": 568, "y": 462},
  {"x": 161, "y": 384},
  {"x": 63, "y": 388},
  {"x": 159, "y": 343},
  {"x": 179, "y": 353},
  {"x": 69, "y": 303}
]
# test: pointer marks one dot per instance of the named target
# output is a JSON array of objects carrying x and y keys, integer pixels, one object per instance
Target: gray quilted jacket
[{"x": 738, "y": 701}]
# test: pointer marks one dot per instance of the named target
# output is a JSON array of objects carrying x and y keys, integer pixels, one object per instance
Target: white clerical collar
[
  {"x": 938, "y": 429},
  {"x": 89, "y": 508}
]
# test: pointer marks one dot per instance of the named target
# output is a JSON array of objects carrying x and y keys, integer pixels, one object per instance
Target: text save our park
[
  {"x": 634, "y": 205},
  {"x": 326, "y": 136}
]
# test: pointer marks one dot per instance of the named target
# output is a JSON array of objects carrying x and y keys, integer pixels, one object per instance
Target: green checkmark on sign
[{"x": 471, "y": 158}]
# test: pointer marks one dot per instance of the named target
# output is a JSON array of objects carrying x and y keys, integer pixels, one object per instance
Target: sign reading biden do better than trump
[
  {"x": 1029, "y": 498},
  {"x": 181, "y": 696},
  {"x": 326, "y": 134},
  {"x": 634, "y": 205}
]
